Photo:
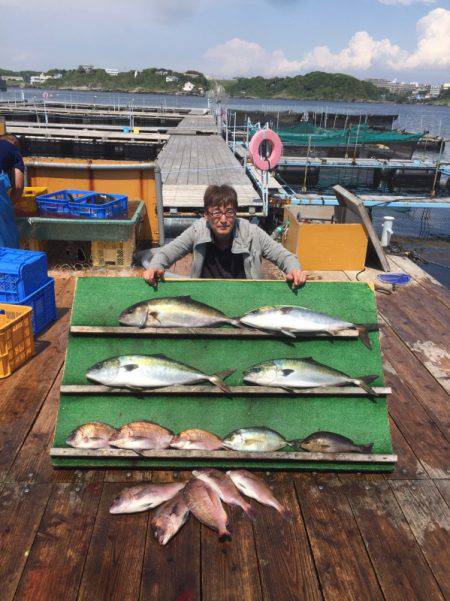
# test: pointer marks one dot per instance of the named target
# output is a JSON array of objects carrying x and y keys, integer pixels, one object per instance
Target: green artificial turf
[{"x": 98, "y": 301}]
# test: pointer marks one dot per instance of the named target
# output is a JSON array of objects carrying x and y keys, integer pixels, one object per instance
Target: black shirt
[
  {"x": 223, "y": 264},
  {"x": 10, "y": 157}
]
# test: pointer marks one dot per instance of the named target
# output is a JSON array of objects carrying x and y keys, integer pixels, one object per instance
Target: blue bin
[
  {"x": 43, "y": 303},
  {"x": 110, "y": 206},
  {"x": 59, "y": 202},
  {"x": 22, "y": 272}
]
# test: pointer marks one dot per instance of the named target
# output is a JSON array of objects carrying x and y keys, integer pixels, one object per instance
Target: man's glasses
[{"x": 216, "y": 214}]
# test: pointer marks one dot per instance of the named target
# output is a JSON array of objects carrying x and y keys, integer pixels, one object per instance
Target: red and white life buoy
[{"x": 263, "y": 163}]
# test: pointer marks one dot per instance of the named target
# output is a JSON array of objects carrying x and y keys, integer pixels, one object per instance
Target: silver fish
[
  {"x": 205, "y": 504},
  {"x": 302, "y": 373},
  {"x": 93, "y": 435},
  {"x": 252, "y": 486},
  {"x": 173, "y": 312},
  {"x": 145, "y": 496},
  {"x": 329, "y": 442},
  {"x": 142, "y": 435},
  {"x": 256, "y": 439},
  {"x": 150, "y": 371},
  {"x": 225, "y": 488},
  {"x": 290, "y": 320},
  {"x": 169, "y": 518},
  {"x": 196, "y": 439}
]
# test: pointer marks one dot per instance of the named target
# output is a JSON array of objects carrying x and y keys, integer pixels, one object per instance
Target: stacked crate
[{"x": 24, "y": 281}]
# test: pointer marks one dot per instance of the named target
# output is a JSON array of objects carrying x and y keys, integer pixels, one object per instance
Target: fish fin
[
  {"x": 366, "y": 448},
  {"x": 224, "y": 373},
  {"x": 184, "y": 297},
  {"x": 364, "y": 384},
  {"x": 364, "y": 336},
  {"x": 295, "y": 444},
  {"x": 289, "y": 334},
  {"x": 131, "y": 366},
  {"x": 291, "y": 390},
  {"x": 250, "y": 513},
  {"x": 224, "y": 534},
  {"x": 160, "y": 356},
  {"x": 286, "y": 371},
  {"x": 218, "y": 381},
  {"x": 287, "y": 515},
  {"x": 144, "y": 320},
  {"x": 139, "y": 453}
]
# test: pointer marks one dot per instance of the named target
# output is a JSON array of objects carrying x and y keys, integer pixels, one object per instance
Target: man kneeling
[{"x": 223, "y": 246}]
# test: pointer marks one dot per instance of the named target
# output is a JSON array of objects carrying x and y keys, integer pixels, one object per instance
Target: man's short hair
[
  {"x": 216, "y": 196},
  {"x": 11, "y": 139}
]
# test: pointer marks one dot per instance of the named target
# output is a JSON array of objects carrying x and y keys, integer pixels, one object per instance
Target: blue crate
[
  {"x": 43, "y": 304},
  {"x": 22, "y": 272},
  {"x": 59, "y": 202},
  {"x": 112, "y": 205}
]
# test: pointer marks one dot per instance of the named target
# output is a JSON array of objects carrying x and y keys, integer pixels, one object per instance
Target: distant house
[
  {"x": 112, "y": 72},
  {"x": 435, "y": 90},
  {"x": 188, "y": 86},
  {"x": 446, "y": 86},
  {"x": 13, "y": 79},
  {"x": 193, "y": 74},
  {"x": 162, "y": 71},
  {"x": 171, "y": 78},
  {"x": 87, "y": 68},
  {"x": 39, "y": 79},
  {"x": 56, "y": 76}
]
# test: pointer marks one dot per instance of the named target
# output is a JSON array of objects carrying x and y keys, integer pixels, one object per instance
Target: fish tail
[
  {"x": 224, "y": 534},
  {"x": 249, "y": 511},
  {"x": 235, "y": 321},
  {"x": 295, "y": 444},
  {"x": 286, "y": 514},
  {"x": 366, "y": 448},
  {"x": 364, "y": 335},
  {"x": 218, "y": 379},
  {"x": 364, "y": 384}
]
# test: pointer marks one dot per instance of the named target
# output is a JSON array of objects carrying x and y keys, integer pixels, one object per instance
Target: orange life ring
[{"x": 263, "y": 135}]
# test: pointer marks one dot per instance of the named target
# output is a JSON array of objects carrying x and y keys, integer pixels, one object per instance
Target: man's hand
[
  {"x": 297, "y": 277},
  {"x": 151, "y": 276}
]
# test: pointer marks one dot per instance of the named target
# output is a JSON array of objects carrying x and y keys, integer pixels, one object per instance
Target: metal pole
[
  {"x": 247, "y": 135},
  {"x": 159, "y": 204},
  {"x": 234, "y": 133}
]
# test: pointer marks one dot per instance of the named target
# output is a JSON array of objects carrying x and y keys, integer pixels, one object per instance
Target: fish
[
  {"x": 93, "y": 435},
  {"x": 139, "y": 372},
  {"x": 256, "y": 439},
  {"x": 329, "y": 442},
  {"x": 169, "y": 518},
  {"x": 291, "y": 320},
  {"x": 204, "y": 503},
  {"x": 142, "y": 435},
  {"x": 196, "y": 439},
  {"x": 174, "y": 312},
  {"x": 302, "y": 373},
  {"x": 252, "y": 486},
  {"x": 225, "y": 488},
  {"x": 145, "y": 496}
]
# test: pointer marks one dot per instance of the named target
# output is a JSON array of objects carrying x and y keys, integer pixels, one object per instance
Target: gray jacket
[{"x": 248, "y": 239}]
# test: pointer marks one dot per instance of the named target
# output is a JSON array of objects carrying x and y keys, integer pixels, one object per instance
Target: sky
[{"x": 408, "y": 40}]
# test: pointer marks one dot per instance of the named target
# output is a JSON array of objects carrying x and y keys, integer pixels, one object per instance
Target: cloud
[{"x": 363, "y": 52}]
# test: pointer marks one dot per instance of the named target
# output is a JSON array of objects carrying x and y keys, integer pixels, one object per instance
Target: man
[
  {"x": 11, "y": 176},
  {"x": 224, "y": 247}
]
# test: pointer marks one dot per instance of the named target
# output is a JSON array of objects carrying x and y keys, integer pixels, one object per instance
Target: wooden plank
[
  {"x": 173, "y": 571},
  {"x": 24, "y": 392},
  {"x": 390, "y": 542},
  {"x": 356, "y": 205},
  {"x": 408, "y": 465},
  {"x": 56, "y": 560},
  {"x": 432, "y": 286},
  {"x": 428, "y": 517},
  {"x": 233, "y": 455},
  {"x": 203, "y": 332},
  {"x": 230, "y": 569},
  {"x": 444, "y": 489},
  {"x": 286, "y": 566},
  {"x": 235, "y": 390},
  {"x": 21, "y": 509},
  {"x": 342, "y": 563},
  {"x": 114, "y": 561}
]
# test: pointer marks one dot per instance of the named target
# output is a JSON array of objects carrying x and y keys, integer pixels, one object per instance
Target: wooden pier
[
  {"x": 195, "y": 157},
  {"x": 354, "y": 536}
]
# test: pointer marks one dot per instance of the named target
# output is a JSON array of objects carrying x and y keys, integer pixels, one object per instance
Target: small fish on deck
[
  {"x": 255, "y": 439},
  {"x": 169, "y": 518},
  {"x": 145, "y": 496},
  {"x": 196, "y": 439},
  {"x": 142, "y": 435},
  {"x": 225, "y": 488},
  {"x": 93, "y": 435},
  {"x": 330, "y": 442},
  {"x": 205, "y": 505}
]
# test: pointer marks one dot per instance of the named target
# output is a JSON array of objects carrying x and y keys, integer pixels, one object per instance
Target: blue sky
[{"x": 404, "y": 39}]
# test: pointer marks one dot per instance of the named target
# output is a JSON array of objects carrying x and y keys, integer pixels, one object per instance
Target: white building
[
  {"x": 435, "y": 90},
  {"x": 112, "y": 72},
  {"x": 171, "y": 78},
  {"x": 38, "y": 79},
  {"x": 188, "y": 86}
]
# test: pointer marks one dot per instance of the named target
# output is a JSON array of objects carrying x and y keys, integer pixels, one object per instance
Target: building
[
  {"x": 39, "y": 79},
  {"x": 445, "y": 86},
  {"x": 193, "y": 74},
  {"x": 171, "y": 78},
  {"x": 13, "y": 79},
  {"x": 162, "y": 71},
  {"x": 435, "y": 90},
  {"x": 188, "y": 86},
  {"x": 87, "y": 68},
  {"x": 112, "y": 72}
]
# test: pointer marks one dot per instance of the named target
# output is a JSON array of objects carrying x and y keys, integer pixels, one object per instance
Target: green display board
[{"x": 99, "y": 301}]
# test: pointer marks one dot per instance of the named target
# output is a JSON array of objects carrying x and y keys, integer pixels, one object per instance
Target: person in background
[
  {"x": 223, "y": 246},
  {"x": 11, "y": 178}
]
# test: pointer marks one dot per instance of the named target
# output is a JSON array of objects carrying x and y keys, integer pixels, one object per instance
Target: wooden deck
[{"x": 362, "y": 537}]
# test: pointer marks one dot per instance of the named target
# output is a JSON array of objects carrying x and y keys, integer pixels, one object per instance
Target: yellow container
[
  {"x": 16, "y": 337},
  {"x": 136, "y": 130},
  {"x": 327, "y": 246},
  {"x": 113, "y": 255},
  {"x": 27, "y": 204}
]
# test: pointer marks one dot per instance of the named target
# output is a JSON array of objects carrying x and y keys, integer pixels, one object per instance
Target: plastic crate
[
  {"x": 59, "y": 202},
  {"x": 43, "y": 304},
  {"x": 114, "y": 255},
  {"x": 27, "y": 204},
  {"x": 110, "y": 205},
  {"x": 22, "y": 272},
  {"x": 16, "y": 337}
]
